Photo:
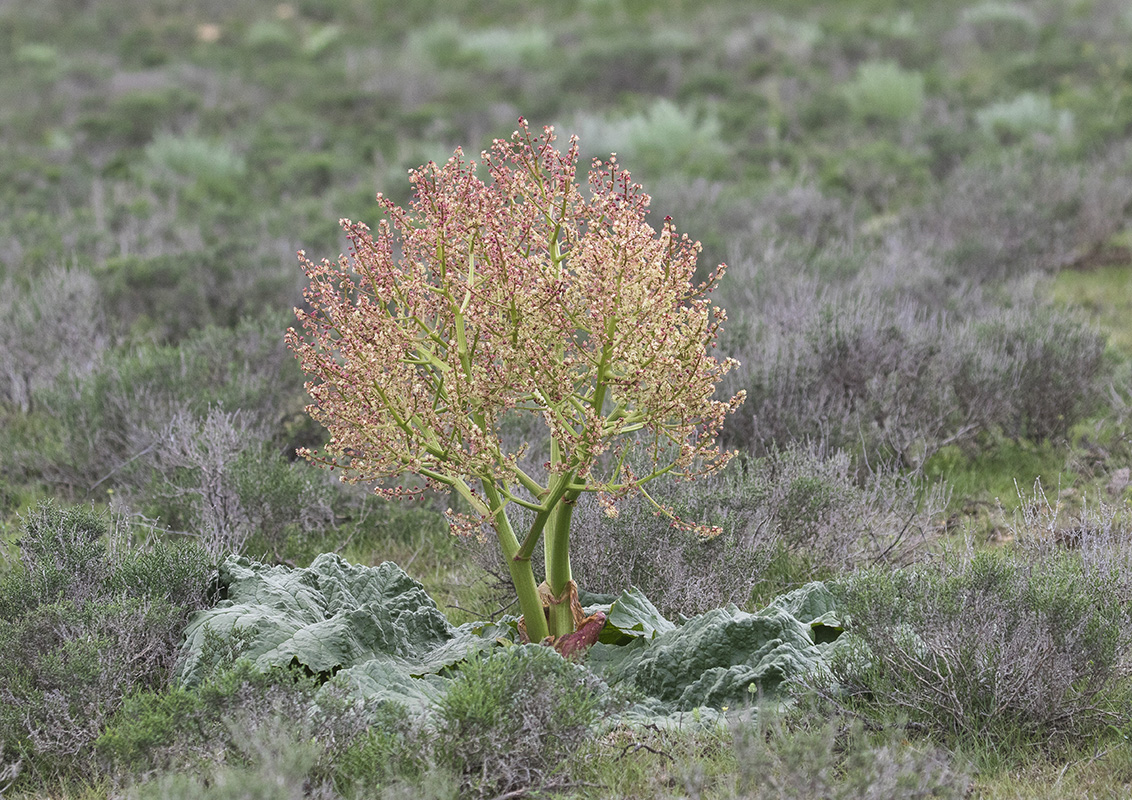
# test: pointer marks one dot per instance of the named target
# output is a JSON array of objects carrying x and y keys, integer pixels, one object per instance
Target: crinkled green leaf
[
  {"x": 388, "y": 679},
  {"x": 329, "y": 616},
  {"x": 504, "y": 630},
  {"x": 716, "y": 659},
  {"x": 631, "y": 616},
  {"x": 815, "y": 605},
  {"x": 376, "y": 630}
]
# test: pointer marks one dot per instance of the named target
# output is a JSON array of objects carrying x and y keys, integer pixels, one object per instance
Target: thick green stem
[
  {"x": 522, "y": 576},
  {"x": 558, "y": 573}
]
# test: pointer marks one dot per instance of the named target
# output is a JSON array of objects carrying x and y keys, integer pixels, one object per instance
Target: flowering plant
[{"x": 523, "y": 295}]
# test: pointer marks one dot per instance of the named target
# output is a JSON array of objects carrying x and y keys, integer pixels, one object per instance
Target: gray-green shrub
[
  {"x": 786, "y": 517},
  {"x": 53, "y": 327},
  {"x": 512, "y": 720},
  {"x": 990, "y": 650},
  {"x": 226, "y": 718},
  {"x": 104, "y": 424},
  {"x": 837, "y": 759},
  {"x": 85, "y": 621},
  {"x": 891, "y": 381}
]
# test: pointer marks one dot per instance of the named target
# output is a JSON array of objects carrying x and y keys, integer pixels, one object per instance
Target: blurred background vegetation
[{"x": 924, "y": 207}]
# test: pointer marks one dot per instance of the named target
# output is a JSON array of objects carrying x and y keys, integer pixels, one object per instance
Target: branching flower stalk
[{"x": 525, "y": 294}]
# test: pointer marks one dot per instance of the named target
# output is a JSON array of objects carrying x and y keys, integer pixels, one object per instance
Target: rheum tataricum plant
[{"x": 527, "y": 294}]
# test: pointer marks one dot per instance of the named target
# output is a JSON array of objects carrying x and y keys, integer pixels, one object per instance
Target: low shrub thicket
[
  {"x": 512, "y": 721},
  {"x": 997, "y": 652},
  {"x": 1024, "y": 211},
  {"x": 85, "y": 621},
  {"x": 788, "y": 517},
  {"x": 838, "y": 760},
  {"x": 889, "y": 381},
  {"x": 104, "y": 424},
  {"x": 218, "y": 477},
  {"x": 240, "y": 717},
  {"x": 54, "y": 327}
]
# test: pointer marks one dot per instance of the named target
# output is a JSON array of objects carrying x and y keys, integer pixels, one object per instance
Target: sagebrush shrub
[
  {"x": 54, "y": 326},
  {"x": 1024, "y": 212},
  {"x": 393, "y": 754},
  {"x": 882, "y": 91},
  {"x": 287, "y": 504},
  {"x": 512, "y": 720},
  {"x": 106, "y": 424},
  {"x": 229, "y": 716},
  {"x": 888, "y": 380},
  {"x": 837, "y": 760},
  {"x": 987, "y": 650},
  {"x": 798, "y": 502},
  {"x": 1001, "y": 26},
  {"x": 1022, "y": 117},
  {"x": 1049, "y": 365},
  {"x": 84, "y": 622},
  {"x": 664, "y": 136}
]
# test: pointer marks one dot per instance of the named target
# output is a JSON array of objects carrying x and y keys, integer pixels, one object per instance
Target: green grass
[
  {"x": 996, "y": 472},
  {"x": 1105, "y": 295}
]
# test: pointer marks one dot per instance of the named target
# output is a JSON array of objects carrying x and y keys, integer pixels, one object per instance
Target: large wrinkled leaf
[
  {"x": 719, "y": 658},
  {"x": 631, "y": 616},
  {"x": 386, "y": 679},
  {"x": 376, "y": 630},
  {"x": 327, "y": 617},
  {"x": 814, "y": 605}
]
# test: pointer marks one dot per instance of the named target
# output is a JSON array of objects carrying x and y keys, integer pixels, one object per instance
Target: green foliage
[
  {"x": 374, "y": 630},
  {"x": 229, "y": 716},
  {"x": 146, "y": 723},
  {"x": 328, "y": 617},
  {"x": 632, "y": 615},
  {"x": 194, "y": 158},
  {"x": 289, "y": 506},
  {"x": 1105, "y": 294},
  {"x": 64, "y": 556},
  {"x": 86, "y": 622},
  {"x": 881, "y": 173},
  {"x": 1022, "y": 117},
  {"x": 132, "y": 119},
  {"x": 883, "y": 92},
  {"x": 994, "y": 651},
  {"x": 278, "y": 770},
  {"x": 996, "y": 468},
  {"x": 657, "y": 140},
  {"x": 514, "y": 719},
  {"x": 77, "y": 554},
  {"x": 392, "y": 752},
  {"x": 726, "y": 656},
  {"x": 1001, "y": 26}
]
